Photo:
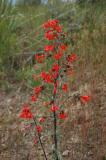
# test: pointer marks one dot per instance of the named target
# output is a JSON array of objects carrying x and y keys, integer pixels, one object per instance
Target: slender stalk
[
  {"x": 40, "y": 141},
  {"x": 55, "y": 136},
  {"x": 55, "y": 123}
]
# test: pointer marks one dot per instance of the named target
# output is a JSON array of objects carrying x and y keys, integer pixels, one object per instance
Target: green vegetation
[{"x": 8, "y": 36}]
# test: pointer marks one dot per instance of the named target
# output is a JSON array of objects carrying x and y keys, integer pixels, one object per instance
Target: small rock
[{"x": 66, "y": 153}]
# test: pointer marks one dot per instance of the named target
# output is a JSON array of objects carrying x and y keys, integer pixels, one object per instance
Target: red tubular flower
[
  {"x": 58, "y": 28},
  {"x": 40, "y": 58},
  {"x": 42, "y": 119},
  {"x": 85, "y": 99},
  {"x": 62, "y": 115},
  {"x": 63, "y": 47},
  {"x": 39, "y": 129},
  {"x": 54, "y": 108},
  {"x": 26, "y": 113},
  {"x": 65, "y": 87},
  {"x": 48, "y": 78},
  {"x": 53, "y": 23},
  {"x": 33, "y": 98},
  {"x": 55, "y": 68},
  {"x": 58, "y": 55},
  {"x": 71, "y": 58},
  {"x": 49, "y": 48},
  {"x": 43, "y": 75},
  {"x": 38, "y": 89}
]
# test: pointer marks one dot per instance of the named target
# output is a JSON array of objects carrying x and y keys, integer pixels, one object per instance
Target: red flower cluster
[
  {"x": 53, "y": 24},
  {"x": 46, "y": 77},
  {"x": 26, "y": 113},
  {"x": 50, "y": 35}
]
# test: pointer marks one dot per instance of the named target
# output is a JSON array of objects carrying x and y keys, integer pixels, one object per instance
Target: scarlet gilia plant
[{"x": 53, "y": 89}]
